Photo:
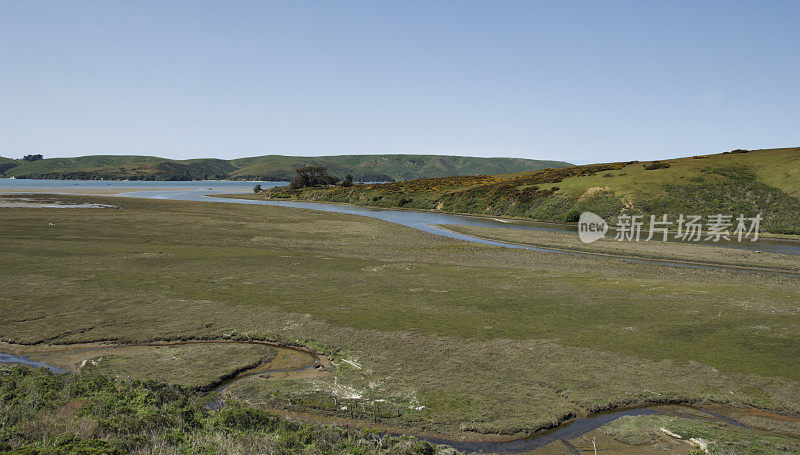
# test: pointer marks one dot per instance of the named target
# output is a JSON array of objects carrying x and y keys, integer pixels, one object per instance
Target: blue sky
[{"x": 580, "y": 81}]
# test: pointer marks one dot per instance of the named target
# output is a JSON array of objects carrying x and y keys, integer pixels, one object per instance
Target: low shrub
[
  {"x": 655, "y": 165},
  {"x": 46, "y": 413},
  {"x": 572, "y": 216}
]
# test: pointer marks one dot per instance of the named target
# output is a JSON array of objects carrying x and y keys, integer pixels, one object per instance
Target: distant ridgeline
[{"x": 366, "y": 168}]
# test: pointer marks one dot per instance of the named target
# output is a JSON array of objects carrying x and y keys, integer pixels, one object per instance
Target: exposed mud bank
[{"x": 70, "y": 358}]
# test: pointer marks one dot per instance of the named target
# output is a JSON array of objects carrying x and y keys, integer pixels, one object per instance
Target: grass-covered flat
[
  {"x": 425, "y": 333},
  {"x": 202, "y": 365},
  {"x": 657, "y": 250},
  {"x": 193, "y": 365},
  {"x": 672, "y": 433}
]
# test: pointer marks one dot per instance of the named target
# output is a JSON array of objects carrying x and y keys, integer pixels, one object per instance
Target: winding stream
[
  {"x": 311, "y": 360},
  {"x": 24, "y": 360},
  {"x": 429, "y": 222},
  {"x": 569, "y": 430}
]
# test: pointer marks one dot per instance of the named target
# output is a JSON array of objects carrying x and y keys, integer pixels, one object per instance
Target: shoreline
[{"x": 500, "y": 218}]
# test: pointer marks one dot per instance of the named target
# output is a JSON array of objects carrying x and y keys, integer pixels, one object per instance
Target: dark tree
[
  {"x": 6, "y": 166},
  {"x": 573, "y": 216},
  {"x": 32, "y": 158},
  {"x": 348, "y": 180},
  {"x": 257, "y": 189},
  {"x": 311, "y": 176}
]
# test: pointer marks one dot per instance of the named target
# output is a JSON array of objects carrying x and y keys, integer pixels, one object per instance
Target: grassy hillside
[
  {"x": 399, "y": 167},
  {"x": 114, "y": 167},
  {"x": 270, "y": 167},
  {"x": 741, "y": 182}
]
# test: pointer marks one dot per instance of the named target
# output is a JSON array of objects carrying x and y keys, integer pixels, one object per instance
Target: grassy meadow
[
  {"x": 425, "y": 334},
  {"x": 746, "y": 182}
]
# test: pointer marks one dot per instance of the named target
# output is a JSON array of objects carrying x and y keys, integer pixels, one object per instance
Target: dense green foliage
[
  {"x": 367, "y": 168},
  {"x": 347, "y": 181},
  {"x": 313, "y": 176},
  {"x": 44, "y": 413}
]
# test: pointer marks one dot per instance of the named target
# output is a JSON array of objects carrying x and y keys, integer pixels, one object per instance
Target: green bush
[
  {"x": 348, "y": 181},
  {"x": 655, "y": 165},
  {"x": 237, "y": 417},
  {"x": 572, "y": 216}
]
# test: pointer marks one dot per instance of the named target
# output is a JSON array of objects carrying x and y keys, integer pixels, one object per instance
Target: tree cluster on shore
[{"x": 313, "y": 176}]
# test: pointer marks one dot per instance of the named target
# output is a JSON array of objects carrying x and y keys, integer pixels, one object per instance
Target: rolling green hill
[
  {"x": 739, "y": 182},
  {"x": 270, "y": 167}
]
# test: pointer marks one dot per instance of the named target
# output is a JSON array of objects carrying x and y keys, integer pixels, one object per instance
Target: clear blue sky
[{"x": 580, "y": 81}]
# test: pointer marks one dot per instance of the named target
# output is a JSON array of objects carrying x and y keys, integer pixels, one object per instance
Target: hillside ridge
[
  {"x": 375, "y": 168},
  {"x": 744, "y": 182}
]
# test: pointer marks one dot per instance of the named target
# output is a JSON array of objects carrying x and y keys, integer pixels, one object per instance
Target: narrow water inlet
[
  {"x": 312, "y": 361},
  {"x": 569, "y": 430},
  {"x": 430, "y": 221},
  {"x": 9, "y": 358}
]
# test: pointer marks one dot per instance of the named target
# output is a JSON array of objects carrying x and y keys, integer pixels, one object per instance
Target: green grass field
[
  {"x": 425, "y": 333},
  {"x": 758, "y": 181}
]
